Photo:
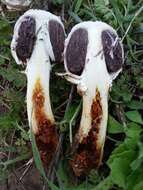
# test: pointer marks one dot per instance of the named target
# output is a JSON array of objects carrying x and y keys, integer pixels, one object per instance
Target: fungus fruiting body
[
  {"x": 34, "y": 44},
  {"x": 93, "y": 57}
]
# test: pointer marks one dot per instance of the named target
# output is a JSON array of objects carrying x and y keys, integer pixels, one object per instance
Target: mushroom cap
[
  {"x": 34, "y": 25},
  {"x": 95, "y": 39}
]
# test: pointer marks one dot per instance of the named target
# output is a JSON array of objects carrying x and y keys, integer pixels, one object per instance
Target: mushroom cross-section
[
  {"x": 39, "y": 38},
  {"x": 93, "y": 57}
]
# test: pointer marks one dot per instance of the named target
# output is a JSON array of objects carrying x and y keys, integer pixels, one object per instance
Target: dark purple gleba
[
  {"x": 76, "y": 51},
  {"x": 26, "y": 39},
  {"x": 57, "y": 38},
  {"x": 112, "y": 51}
]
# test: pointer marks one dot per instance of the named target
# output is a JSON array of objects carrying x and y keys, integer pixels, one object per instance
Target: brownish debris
[
  {"x": 87, "y": 155},
  {"x": 47, "y": 136}
]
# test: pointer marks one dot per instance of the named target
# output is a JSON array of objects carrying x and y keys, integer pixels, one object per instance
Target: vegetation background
[{"x": 122, "y": 167}]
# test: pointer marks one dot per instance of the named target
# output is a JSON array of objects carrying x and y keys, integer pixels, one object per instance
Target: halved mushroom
[
  {"x": 37, "y": 36},
  {"x": 93, "y": 57}
]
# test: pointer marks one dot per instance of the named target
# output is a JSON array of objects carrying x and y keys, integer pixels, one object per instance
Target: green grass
[{"x": 122, "y": 167}]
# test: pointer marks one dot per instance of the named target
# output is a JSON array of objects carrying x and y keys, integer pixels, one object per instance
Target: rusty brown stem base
[
  {"x": 46, "y": 134},
  {"x": 87, "y": 155}
]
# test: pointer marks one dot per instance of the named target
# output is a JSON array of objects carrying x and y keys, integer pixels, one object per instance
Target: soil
[{"x": 31, "y": 181}]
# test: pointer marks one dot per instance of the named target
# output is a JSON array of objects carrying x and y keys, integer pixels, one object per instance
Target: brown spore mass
[
  {"x": 26, "y": 39},
  {"x": 76, "y": 51},
  {"x": 110, "y": 47},
  {"x": 46, "y": 135},
  {"x": 57, "y": 38},
  {"x": 88, "y": 152}
]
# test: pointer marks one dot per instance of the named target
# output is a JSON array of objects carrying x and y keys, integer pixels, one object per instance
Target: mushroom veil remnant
[
  {"x": 38, "y": 39},
  {"x": 93, "y": 57}
]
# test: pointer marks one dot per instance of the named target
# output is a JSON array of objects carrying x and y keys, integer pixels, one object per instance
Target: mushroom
[
  {"x": 17, "y": 4},
  {"x": 93, "y": 57},
  {"x": 38, "y": 39}
]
